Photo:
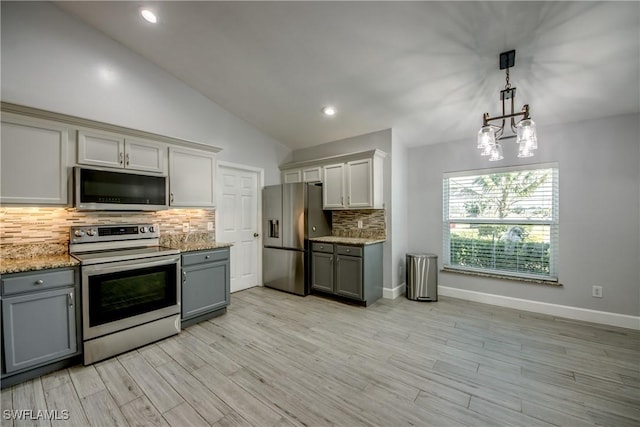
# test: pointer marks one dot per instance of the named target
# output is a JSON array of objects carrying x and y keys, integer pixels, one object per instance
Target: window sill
[{"x": 502, "y": 277}]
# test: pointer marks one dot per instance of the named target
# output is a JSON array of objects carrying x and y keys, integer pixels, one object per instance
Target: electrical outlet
[
  {"x": 360, "y": 224},
  {"x": 596, "y": 291},
  {"x": 185, "y": 227},
  {"x": 210, "y": 226}
]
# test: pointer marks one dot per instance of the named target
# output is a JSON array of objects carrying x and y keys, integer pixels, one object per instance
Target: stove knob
[
  {"x": 143, "y": 229},
  {"x": 151, "y": 229},
  {"x": 78, "y": 233},
  {"x": 91, "y": 232}
]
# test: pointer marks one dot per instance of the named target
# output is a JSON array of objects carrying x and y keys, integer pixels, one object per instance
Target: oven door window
[{"x": 124, "y": 294}]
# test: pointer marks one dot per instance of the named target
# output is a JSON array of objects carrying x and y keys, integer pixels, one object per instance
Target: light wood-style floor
[{"x": 280, "y": 360}]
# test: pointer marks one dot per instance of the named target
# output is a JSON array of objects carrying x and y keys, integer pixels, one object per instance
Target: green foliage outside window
[{"x": 502, "y": 222}]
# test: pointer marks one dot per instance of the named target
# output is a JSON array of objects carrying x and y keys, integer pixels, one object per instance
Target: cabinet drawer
[
  {"x": 349, "y": 250},
  {"x": 322, "y": 247},
  {"x": 36, "y": 281},
  {"x": 205, "y": 256}
]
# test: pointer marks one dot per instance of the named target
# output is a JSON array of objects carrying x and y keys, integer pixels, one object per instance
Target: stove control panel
[{"x": 107, "y": 233}]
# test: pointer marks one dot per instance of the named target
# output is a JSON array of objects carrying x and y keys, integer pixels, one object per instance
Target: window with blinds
[{"x": 502, "y": 221}]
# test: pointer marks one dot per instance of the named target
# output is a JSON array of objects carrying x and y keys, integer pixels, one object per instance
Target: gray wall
[
  {"x": 399, "y": 212},
  {"x": 54, "y": 62},
  {"x": 380, "y": 140},
  {"x": 599, "y": 173}
]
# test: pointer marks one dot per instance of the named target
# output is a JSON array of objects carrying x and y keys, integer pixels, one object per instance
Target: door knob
[{"x": 255, "y": 234}]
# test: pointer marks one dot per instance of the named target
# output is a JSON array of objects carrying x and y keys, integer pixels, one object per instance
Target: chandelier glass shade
[{"x": 490, "y": 135}]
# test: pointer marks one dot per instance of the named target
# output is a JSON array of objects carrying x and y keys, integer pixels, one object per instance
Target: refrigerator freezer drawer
[{"x": 283, "y": 269}]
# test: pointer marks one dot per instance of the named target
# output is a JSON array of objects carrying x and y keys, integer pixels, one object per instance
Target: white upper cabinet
[
  {"x": 144, "y": 155},
  {"x": 313, "y": 174},
  {"x": 355, "y": 184},
  {"x": 192, "y": 176},
  {"x": 119, "y": 151},
  {"x": 33, "y": 153},
  {"x": 291, "y": 176},
  {"x": 333, "y": 186},
  {"x": 359, "y": 184},
  {"x": 100, "y": 149}
]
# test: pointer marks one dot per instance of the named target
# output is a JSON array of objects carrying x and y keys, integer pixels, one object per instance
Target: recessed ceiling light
[
  {"x": 329, "y": 111},
  {"x": 149, "y": 16}
]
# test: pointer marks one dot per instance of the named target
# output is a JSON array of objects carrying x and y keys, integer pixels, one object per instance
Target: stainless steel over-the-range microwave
[{"x": 104, "y": 189}]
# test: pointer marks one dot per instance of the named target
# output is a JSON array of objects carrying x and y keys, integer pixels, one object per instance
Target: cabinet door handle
[
  {"x": 184, "y": 277},
  {"x": 39, "y": 282},
  {"x": 207, "y": 256},
  {"x": 331, "y": 259},
  {"x": 121, "y": 155},
  {"x": 70, "y": 299},
  {"x": 171, "y": 197},
  {"x": 127, "y": 159}
]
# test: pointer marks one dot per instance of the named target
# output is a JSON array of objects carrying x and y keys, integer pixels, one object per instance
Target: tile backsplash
[
  {"x": 374, "y": 223},
  {"x": 19, "y": 226}
]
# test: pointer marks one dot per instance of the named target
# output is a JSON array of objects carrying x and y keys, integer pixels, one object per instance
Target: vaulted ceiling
[{"x": 429, "y": 70}]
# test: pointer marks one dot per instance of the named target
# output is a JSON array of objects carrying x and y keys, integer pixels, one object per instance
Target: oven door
[{"x": 120, "y": 295}]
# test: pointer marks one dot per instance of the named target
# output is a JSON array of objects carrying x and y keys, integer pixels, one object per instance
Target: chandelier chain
[{"x": 508, "y": 84}]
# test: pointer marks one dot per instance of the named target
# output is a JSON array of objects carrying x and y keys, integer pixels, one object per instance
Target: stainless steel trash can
[{"x": 422, "y": 277}]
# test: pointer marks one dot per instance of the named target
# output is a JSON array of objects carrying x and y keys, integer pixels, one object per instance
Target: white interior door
[{"x": 238, "y": 221}]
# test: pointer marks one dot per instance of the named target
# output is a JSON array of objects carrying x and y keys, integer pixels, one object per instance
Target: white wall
[
  {"x": 53, "y": 62},
  {"x": 380, "y": 140},
  {"x": 599, "y": 172}
]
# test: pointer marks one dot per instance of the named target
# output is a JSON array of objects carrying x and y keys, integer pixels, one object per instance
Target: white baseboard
[
  {"x": 393, "y": 293},
  {"x": 576, "y": 313}
]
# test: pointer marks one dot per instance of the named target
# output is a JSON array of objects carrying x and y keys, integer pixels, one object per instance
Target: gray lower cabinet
[
  {"x": 205, "y": 285},
  {"x": 349, "y": 276},
  {"x": 354, "y": 272},
  {"x": 40, "y": 315},
  {"x": 322, "y": 271}
]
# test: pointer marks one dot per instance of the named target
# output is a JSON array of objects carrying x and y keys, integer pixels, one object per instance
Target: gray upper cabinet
[
  {"x": 33, "y": 153},
  {"x": 192, "y": 175},
  {"x": 119, "y": 151},
  {"x": 39, "y": 318}
]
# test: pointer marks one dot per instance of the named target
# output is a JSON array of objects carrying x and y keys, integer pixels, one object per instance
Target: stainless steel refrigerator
[{"x": 292, "y": 213}]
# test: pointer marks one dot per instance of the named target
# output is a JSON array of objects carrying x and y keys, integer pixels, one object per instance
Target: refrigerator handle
[{"x": 274, "y": 228}]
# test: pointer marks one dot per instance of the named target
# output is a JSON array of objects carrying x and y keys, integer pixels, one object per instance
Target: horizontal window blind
[{"x": 502, "y": 221}]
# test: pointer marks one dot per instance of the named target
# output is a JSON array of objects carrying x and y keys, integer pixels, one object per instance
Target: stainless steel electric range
[{"x": 130, "y": 287}]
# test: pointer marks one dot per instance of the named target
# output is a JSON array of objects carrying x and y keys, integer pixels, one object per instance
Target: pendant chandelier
[{"x": 490, "y": 135}]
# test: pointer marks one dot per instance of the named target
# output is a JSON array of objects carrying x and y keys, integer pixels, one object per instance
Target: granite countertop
[
  {"x": 348, "y": 240},
  {"x": 33, "y": 257},
  {"x": 189, "y": 242},
  {"x": 17, "y": 265},
  {"x": 199, "y": 246}
]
